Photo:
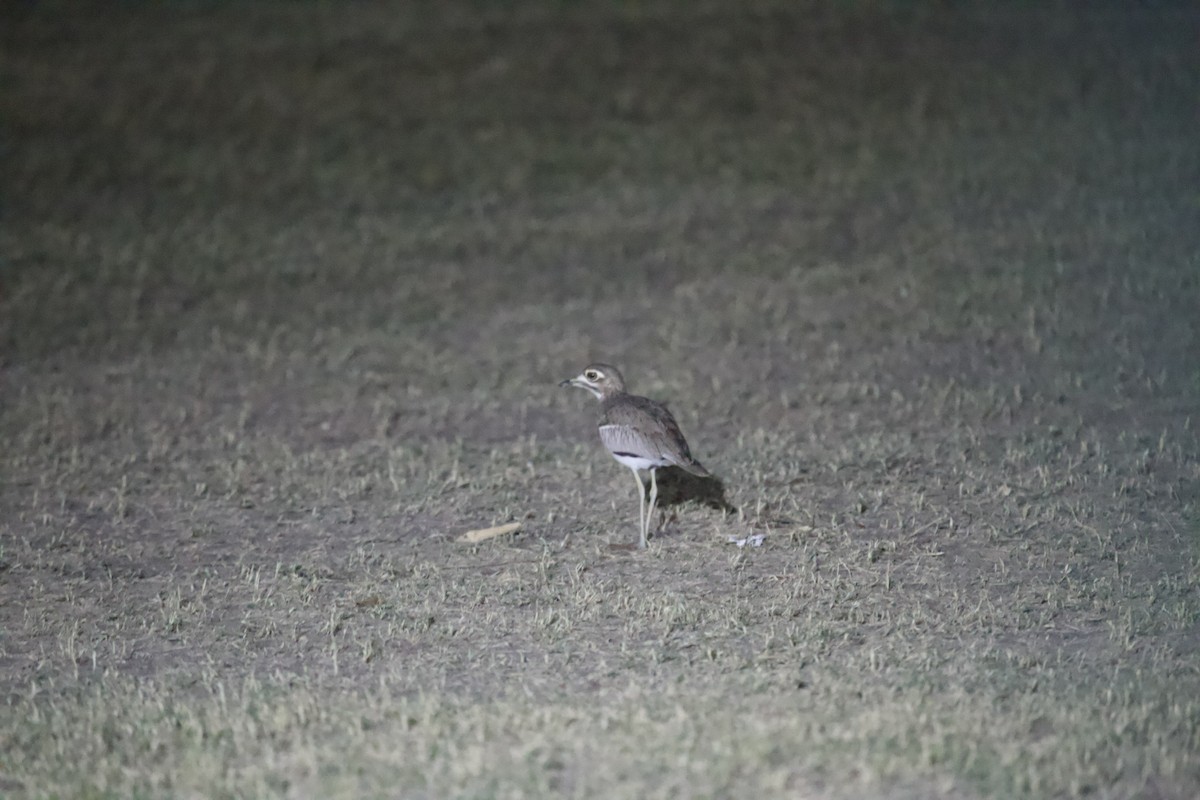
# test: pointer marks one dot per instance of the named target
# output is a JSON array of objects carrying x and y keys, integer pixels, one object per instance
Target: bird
[{"x": 639, "y": 432}]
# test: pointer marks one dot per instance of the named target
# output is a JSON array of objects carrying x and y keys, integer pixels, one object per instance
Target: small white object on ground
[
  {"x": 483, "y": 534},
  {"x": 754, "y": 540}
]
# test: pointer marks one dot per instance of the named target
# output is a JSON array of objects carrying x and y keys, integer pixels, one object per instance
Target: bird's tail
[{"x": 696, "y": 468}]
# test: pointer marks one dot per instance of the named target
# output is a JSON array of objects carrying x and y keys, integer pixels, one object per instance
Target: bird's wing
[
  {"x": 669, "y": 443},
  {"x": 648, "y": 429},
  {"x": 627, "y": 439}
]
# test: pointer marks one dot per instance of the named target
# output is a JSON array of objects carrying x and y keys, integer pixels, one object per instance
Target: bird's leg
[
  {"x": 641, "y": 509},
  {"x": 653, "y": 497}
]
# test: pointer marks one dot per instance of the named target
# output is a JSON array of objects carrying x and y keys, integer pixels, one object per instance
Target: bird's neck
[{"x": 610, "y": 397}]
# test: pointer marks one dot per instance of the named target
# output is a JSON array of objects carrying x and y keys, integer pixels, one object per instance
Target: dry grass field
[{"x": 286, "y": 293}]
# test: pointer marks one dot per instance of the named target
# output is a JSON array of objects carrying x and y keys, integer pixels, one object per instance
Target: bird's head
[{"x": 602, "y": 380}]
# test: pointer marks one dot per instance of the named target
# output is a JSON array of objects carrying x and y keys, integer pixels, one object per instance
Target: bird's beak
[{"x": 567, "y": 382}]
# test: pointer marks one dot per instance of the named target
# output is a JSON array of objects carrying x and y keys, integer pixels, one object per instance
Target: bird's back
[{"x": 640, "y": 426}]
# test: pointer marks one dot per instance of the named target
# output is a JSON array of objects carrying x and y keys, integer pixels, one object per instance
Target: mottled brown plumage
[
  {"x": 639, "y": 432},
  {"x": 639, "y": 427}
]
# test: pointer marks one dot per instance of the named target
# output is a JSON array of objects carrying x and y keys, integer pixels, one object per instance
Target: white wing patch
[{"x": 630, "y": 448}]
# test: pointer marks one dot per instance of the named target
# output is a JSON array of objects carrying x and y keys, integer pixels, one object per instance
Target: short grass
[{"x": 286, "y": 295}]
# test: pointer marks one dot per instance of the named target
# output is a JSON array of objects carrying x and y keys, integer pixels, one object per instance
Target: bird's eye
[{"x": 591, "y": 375}]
